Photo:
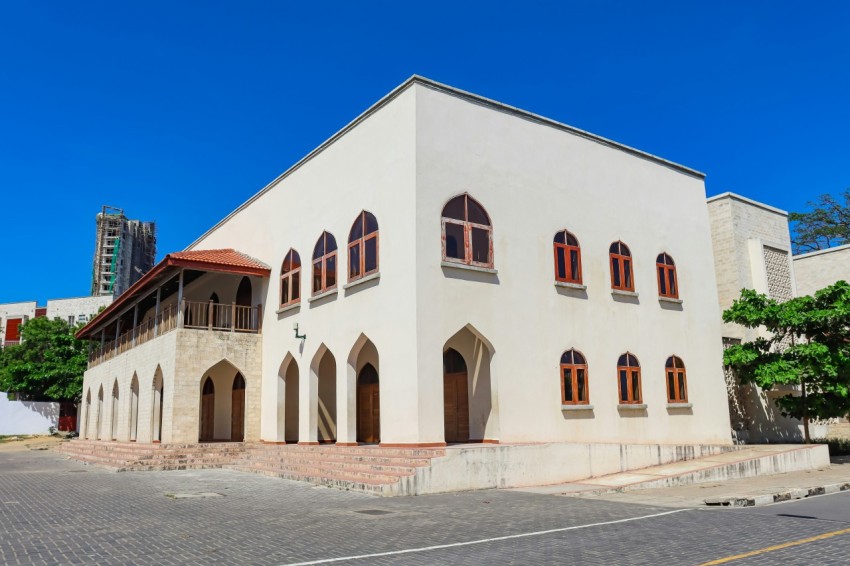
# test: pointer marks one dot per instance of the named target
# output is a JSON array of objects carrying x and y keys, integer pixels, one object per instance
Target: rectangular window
[
  {"x": 624, "y": 386},
  {"x": 671, "y": 274},
  {"x": 581, "y": 384},
  {"x": 635, "y": 386},
  {"x": 575, "y": 272},
  {"x": 296, "y": 285},
  {"x": 284, "y": 290},
  {"x": 662, "y": 281},
  {"x": 330, "y": 269},
  {"x": 615, "y": 271},
  {"x": 480, "y": 245},
  {"x": 568, "y": 385},
  {"x": 627, "y": 273},
  {"x": 317, "y": 276},
  {"x": 454, "y": 241},
  {"x": 671, "y": 386},
  {"x": 371, "y": 259},
  {"x": 354, "y": 261},
  {"x": 561, "y": 264}
]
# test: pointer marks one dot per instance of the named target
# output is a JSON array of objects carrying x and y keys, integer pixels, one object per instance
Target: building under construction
[{"x": 124, "y": 251}]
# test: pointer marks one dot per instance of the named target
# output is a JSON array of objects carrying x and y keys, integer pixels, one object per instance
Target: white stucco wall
[
  {"x": 822, "y": 268},
  {"x": 82, "y": 309},
  {"x": 27, "y": 417},
  {"x": 23, "y": 310}
]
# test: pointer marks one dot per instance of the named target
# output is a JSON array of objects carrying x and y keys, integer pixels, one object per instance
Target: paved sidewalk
[{"x": 696, "y": 494}]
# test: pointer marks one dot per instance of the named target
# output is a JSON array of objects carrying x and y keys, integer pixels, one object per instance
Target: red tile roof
[{"x": 225, "y": 260}]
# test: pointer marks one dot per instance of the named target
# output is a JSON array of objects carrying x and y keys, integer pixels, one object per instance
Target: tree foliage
[
  {"x": 48, "y": 363},
  {"x": 808, "y": 346},
  {"x": 825, "y": 226}
]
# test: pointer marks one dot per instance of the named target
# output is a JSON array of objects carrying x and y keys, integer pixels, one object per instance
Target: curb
[{"x": 789, "y": 495}]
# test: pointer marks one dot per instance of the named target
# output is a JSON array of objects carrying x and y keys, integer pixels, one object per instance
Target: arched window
[
  {"x": 363, "y": 246},
  {"x": 677, "y": 383},
  {"x": 621, "y": 267},
  {"x": 290, "y": 279},
  {"x": 567, "y": 258},
  {"x": 628, "y": 374},
  {"x": 574, "y": 379},
  {"x": 467, "y": 234},
  {"x": 667, "y": 284},
  {"x": 324, "y": 264}
]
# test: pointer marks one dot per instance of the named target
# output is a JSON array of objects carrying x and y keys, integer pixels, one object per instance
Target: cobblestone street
[{"x": 55, "y": 511}]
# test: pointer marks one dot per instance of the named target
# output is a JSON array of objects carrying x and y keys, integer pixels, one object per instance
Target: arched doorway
[
  {"x": 98, "y": 433},
  {"x": 243, "y": 293},
  {"x": 368, "y": 405},
  {"x": 156, "y": 415},
  {"x": 455, "y": 397},
  {"x": 237, "y": 411},
  {"x": 85, "y": 429},
  {"x": 287, "y": 400},
  {"x": 134, "y": 408},
  {"x": 323, "y": 377},
  {"x": 207, "y": 411},
  {"x": 113, "y": 427}
]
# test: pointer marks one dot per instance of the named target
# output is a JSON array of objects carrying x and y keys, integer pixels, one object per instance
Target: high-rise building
[{"x": 124, "y": 251}]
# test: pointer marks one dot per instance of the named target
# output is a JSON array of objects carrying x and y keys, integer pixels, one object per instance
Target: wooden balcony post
[
  {"x": 180, "y": 300},
  {"x": 156, "y": 314},
  {"x": 233, "y": 317},
  {"x": 210, "y": 316},
  {"x": 180, "y": 313},
  {"x": 260, "y": 318},
  {"x": 135, "y": 322}
]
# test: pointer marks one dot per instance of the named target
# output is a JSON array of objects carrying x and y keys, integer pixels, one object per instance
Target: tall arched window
[
  {"x": 677, "y": 383},
  {"x": 621, "y": 267},
  {"x": 668, "y": 286},
  {"x": 628, "y": 375},
  {"x": 324, "y": 264},
  {"x": 467, "y": 234},
  {"x": 567, "y": 258},
  {"x": 290, "y": 279},
  {"x": 574, "y": 379},
  {"x": 363, "y": 246}
]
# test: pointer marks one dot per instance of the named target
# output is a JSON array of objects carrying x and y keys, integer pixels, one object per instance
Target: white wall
[
  {"x": 27, "y": 417},
  {"x": 82, "y": 309},
  {"x": 822, "y": 268}
]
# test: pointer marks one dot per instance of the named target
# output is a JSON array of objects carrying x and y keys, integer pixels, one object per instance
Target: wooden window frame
[
  {"x": 287, "y": 277},
  {"x": 664, "y": 271},
  {"x": 574, "y": 367},
  {"x": 621, "y": 269},
  {"x": 360, "y": 243},
  {"x": 467, "y": 235},
  {"x": 630, "y": 370},
  {"x": 323, "y": 260},
  {"x": 679, "y": 374},
  {"x": 570, "y": 277}
]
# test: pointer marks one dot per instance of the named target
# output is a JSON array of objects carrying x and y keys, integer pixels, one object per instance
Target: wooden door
[
  {"x": 237, "y": 410},
  {"x": 456, "y": 407},
  {"x": 208, "y": 411},
  {"x": 368, "y": 406}
]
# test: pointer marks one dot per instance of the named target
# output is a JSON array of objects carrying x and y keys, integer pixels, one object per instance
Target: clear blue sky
[{"x": 179, "y": 111}]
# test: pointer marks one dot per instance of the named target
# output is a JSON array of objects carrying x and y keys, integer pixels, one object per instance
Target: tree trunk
[{"x": 808, "y": 439}]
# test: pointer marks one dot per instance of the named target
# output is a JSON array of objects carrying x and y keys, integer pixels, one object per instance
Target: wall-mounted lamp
[{"x": 298, "y": 336}]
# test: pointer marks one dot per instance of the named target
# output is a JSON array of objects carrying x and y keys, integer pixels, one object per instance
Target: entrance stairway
[{"x": 371, "y": 469}]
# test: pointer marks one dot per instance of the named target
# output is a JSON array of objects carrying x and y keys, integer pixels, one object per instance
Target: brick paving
[{"x": 56, "y": 511}]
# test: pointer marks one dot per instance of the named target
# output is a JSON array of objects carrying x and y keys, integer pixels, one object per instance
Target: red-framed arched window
[
  {"x": 363, "y": 246},
  {"x": 677, "y": 382},
  {"x": 574, "y": 386},
  {"x": 567, "y": 258},
  {"x": 324, "y": 264},
  {"x": 622, "y": 276},
  {"x": 628, "y": 377},
  {"x": 467, "y": 232},
  {"x": 290, "y": 279},
  {"x": 668, "y": 284}
]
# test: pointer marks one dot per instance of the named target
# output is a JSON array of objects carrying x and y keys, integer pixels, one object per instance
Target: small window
[
  {"x": 574, "y": 379},
  {"x": 467, "y": 234},
  {"x": 290, "y": 279},
  {"x": 324, "y": 264},
  {"x": 363, "y": 246},
  {"x": 567, "y": 258},
  {"x": 668, "y": 286},
  {"x": 628, "y": 377},
  {"x": 677, "y": 383},
  {"x": 622, "y": 276}
]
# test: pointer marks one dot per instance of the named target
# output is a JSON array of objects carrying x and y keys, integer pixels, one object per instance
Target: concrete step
[{"x": 341, "y": 459}]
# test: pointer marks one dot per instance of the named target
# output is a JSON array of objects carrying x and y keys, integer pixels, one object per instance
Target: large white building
[{"x": 444, "y": 269}]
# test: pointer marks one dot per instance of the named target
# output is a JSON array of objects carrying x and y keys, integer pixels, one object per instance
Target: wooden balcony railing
[{"x": 195, "y": 315}]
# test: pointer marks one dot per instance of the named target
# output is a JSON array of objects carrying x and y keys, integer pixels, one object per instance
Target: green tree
[
  {"x": 825, "y": 226},
  {"x": 48, "y": 363},
  {"x": 808, "y": 347}
]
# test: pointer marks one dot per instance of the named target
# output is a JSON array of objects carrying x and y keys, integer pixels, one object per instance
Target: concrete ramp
[{"x": 749, "y": 461}]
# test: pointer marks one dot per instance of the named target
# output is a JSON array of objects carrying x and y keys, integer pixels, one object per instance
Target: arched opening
[
  {"x": 455, "y": 397},
  {"x": 113, "y": 426},
  {"x": 243, "y": 293},
  {"x": 134, "y": 408},
  {"x": 207, "y": 433},
  {"x": 85, "y": 429},
  {"x": 287, "y": 400},
  {"x": 98, "y": 433},
  {"x": 467, "y": 232},
  {"x": 214, "y": 299},
  {"x": 470, "y": 398},
  {"x": 237, "y": 409},
  {"x": 324, "y": 369},
  {"x": 368, "y": 405},
  {"x": 156, "y": 414}
]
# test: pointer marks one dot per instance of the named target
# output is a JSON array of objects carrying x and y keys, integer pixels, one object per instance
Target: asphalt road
[{"x": 55, "y": 511}]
